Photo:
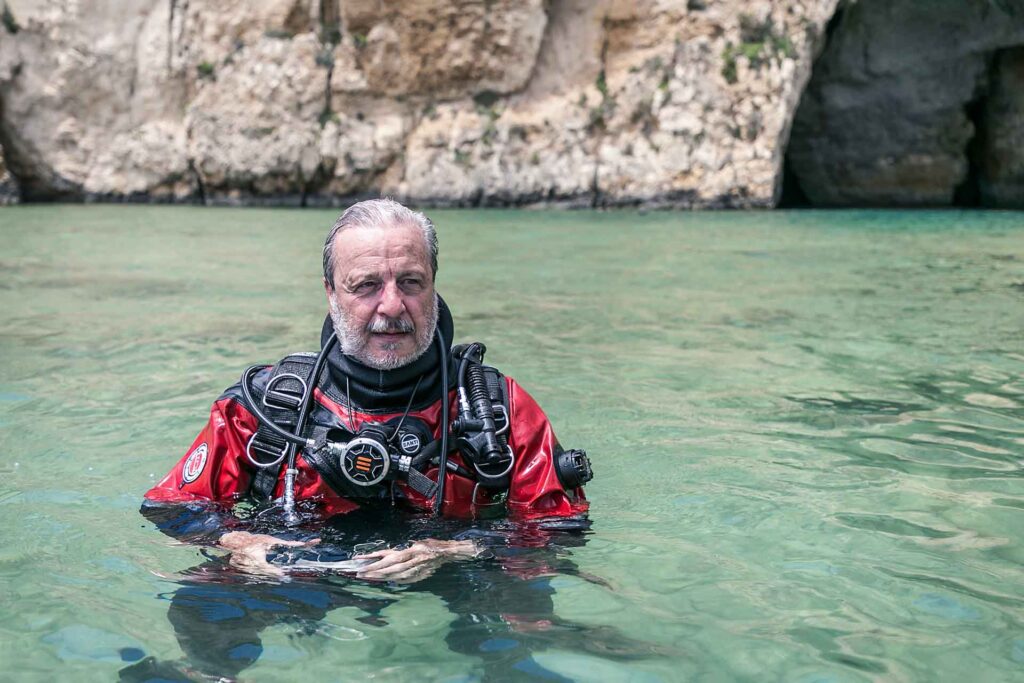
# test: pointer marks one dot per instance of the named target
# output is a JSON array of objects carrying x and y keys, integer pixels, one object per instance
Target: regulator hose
[{"x": 442, "y": 468}]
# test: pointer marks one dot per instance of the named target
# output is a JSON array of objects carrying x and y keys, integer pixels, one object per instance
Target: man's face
[{"x": 382, "y": 303}]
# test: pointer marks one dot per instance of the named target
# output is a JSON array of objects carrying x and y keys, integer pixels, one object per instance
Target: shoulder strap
[{"x": 281, "y": 397}]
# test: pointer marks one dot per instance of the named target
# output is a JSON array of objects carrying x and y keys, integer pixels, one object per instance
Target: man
[{"x": 382, "y": 380}]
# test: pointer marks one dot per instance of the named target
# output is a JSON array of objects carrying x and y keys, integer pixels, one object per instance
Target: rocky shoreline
[{"x": 563, "y": 103}]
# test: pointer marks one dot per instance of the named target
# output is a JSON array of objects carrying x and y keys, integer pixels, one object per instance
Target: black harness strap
[{"x": 281, "y": 397}]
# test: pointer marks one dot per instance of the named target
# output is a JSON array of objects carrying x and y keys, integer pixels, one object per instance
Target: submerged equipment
[{"x": 354, "y": 462}]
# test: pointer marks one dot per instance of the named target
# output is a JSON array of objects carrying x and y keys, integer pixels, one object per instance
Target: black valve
[{"x": 573, "y": 467}]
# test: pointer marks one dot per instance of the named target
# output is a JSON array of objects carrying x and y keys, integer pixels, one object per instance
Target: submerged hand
[
  {"x": 249, "y": 551},
  {"x": 416, "y": 562}
]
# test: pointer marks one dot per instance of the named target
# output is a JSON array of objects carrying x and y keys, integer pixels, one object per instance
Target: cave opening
[
  {"x": 995, "y": 164},
  {"x": 968, "y": 193},
  {"x": 792, "y": 195}
]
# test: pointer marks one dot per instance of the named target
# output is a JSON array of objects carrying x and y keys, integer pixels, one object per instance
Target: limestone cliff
[
  {"x": 582, "y": 102},
  {"x": 683, "y": 103}
]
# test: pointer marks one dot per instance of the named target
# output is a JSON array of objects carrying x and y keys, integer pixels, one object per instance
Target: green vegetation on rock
[
  {"x": 759, "y": 44},
  {"x": 8, "y": 20}
]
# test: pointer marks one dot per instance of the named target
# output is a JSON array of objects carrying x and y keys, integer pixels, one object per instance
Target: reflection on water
[
  {"x": 807, "y": 432},
  {"x": 501, "y": 609}
]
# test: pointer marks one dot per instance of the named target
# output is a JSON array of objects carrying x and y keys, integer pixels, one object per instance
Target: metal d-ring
[
  {"x": 275, "y": 380},
  {"x": 504, "y": 414},
  {"x": 511, "y": 462},
  {"x": 472, "y": 500},
  {"x": 273, "y": 463}
]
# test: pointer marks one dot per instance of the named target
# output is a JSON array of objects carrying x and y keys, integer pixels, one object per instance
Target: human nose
[{"x": 391, "y": 303}]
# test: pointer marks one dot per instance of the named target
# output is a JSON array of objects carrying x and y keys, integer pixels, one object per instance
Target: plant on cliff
[
  {"x": 278, "y": 34},
  {"x": 204, "y": 69},
  {"x": 8, "y": 20},
  {"x": 599, "y": 115},
  {"x": 759, "y": 43}
]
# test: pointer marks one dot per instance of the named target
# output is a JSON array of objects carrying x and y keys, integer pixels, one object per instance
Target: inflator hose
[{"x": 480, "y": 400}]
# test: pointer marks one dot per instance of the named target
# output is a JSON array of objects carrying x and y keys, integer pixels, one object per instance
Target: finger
[
  {"x": 254, "y": 565},
  {"x": 410, "y": 575},
  {"x": 375, "y": 553},
  {"x": 395, "y": 568},
  {"x": 391, "y": 559}
]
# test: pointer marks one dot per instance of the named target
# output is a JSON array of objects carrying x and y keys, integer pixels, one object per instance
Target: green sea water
[{"x": 807, "y": 430}]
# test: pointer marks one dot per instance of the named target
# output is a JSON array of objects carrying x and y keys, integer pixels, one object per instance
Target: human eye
[
  {"x": 365, "y": 287},
  {"x": 411, "y": 284}
]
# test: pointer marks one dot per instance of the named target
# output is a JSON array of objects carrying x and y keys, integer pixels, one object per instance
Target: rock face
[
  {"x": 10, "y": 193},
  {"x": 464, "y": 102},
  {"x": 684, "y": 103},
  {"x": 897, "y": 98},
  {"x": 1001, "y": 152}
]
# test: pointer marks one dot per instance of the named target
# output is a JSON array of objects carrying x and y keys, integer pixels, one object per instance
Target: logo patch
[
  {"x": 410, "y": 444},
  {"x": 194, "y": 464}
]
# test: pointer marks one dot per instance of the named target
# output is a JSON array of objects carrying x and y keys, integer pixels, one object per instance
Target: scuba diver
[{"x": 301, "y": 459}]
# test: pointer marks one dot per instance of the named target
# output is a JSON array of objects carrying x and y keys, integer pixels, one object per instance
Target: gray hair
[{"x": 379, "y": 212}]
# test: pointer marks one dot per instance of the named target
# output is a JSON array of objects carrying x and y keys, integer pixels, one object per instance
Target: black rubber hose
[
  {"x": 480, "y": 400},
  {"x": 443, "y": 461}
]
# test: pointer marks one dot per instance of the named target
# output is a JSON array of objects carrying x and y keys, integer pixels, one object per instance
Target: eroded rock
[
  {"x": 654, "y": 104},
  {"x": 885, "y": 120},
  {"x": 444, "y": 49},
  {"x": 10, "y": 193},
  {"x": 255, "y": 129},
  {"x": 1001, "y": 153},
  {"x": 564, "y": 102}
]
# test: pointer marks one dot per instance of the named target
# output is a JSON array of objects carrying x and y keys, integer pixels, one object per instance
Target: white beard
[{"x": 353, "y": 341}]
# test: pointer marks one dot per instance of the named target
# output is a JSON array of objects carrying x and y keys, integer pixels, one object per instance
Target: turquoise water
[{"x": 807, "y": 429}]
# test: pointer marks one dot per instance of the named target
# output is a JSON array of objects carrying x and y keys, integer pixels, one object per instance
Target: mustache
[{"x": 389, "y": 326}]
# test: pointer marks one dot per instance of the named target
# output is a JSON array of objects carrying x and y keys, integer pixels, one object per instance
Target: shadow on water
[{"x": 502, "y": 608}]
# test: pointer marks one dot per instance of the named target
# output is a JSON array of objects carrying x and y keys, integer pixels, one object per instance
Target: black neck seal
[{"x": 387, "y": 391}]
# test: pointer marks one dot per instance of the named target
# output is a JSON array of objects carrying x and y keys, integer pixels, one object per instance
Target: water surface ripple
[{"x": 807, "y": 429}]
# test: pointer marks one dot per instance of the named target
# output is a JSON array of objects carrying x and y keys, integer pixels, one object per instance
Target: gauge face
[{"x": 365, "y": 462}]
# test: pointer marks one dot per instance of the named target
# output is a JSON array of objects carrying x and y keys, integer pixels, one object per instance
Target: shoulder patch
[{"x": 194, "y": 464}]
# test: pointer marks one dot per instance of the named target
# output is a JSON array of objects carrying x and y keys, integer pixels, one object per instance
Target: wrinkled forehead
[{"x": 381, "y": 246}]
